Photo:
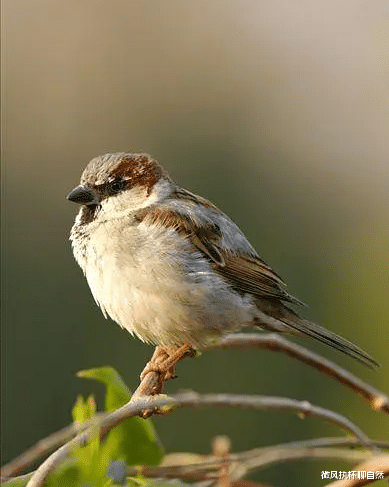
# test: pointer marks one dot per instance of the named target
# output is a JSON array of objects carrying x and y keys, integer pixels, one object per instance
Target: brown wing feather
[
  {"x": 203, "y": 236},
  {"x": 245, "y": 273},
  {"x": 252, "y": 275}
]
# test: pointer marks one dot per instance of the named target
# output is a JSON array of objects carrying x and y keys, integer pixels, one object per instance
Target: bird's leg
[
  {"x": 163, "y": 362},
  {"x": 174, "y": 356}
]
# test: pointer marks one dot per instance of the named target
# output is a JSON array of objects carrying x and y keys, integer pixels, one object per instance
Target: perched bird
[{"x": 170, "y": 267}]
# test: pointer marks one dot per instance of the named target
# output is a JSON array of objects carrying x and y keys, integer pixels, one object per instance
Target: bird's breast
[{"x": 153, "y": 283}]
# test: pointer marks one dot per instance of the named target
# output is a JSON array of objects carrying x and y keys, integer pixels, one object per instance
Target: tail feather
[
  {"x": 333, "y": 340},
  {"x": 285, "y": 320}
]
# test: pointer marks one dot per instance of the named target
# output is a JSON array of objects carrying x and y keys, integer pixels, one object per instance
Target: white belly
[{"x": 150, "y": 282}]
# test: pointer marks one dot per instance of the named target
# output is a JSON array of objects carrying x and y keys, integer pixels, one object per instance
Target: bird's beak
[{"x": 83, "y": 195}]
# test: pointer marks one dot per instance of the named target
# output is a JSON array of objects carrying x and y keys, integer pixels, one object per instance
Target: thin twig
[
  {"x": 221, "y": 447},
  {"x": 325, "y": 444},
  {"x": 277, "y": 343},
  {"x": 42, "y": 448},
  {"x": 202, "y": 467},
  {"x": 240, "y": 466},
  {"x": 303, "y": 408},
  {"x": 193, "y": 400}
]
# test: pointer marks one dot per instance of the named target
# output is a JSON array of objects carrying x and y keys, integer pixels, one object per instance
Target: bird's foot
[{"x": 163, "y": 363}]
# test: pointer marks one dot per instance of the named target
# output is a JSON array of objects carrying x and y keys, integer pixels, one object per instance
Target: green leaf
[
  {"x": 117, "y": 393},
  {"x": 84, "y": 410},
  {"x": 134, "y": 441}
]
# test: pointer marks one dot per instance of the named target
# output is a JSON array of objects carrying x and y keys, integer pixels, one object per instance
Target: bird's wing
[
  {"x": 252, "y": 275},
  {"x": 245, "y": 273}
]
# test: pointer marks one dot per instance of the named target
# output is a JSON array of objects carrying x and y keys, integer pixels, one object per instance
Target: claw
[{"x": 163, "y": 363}]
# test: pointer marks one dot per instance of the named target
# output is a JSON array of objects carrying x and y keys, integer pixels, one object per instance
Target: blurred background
[{"x": 276, "y": 111}]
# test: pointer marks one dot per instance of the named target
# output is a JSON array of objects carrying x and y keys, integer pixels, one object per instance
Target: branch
[
  {"x": 192, "y": 467},
  {"x": 195, "y": 467},
  {"x": 303, "y": 408},
  {"x": 41, "y": 448},
  {"x": 190, "y": 399},
  {"x": 277, "y": 343},
  {"x": 261, "y": 457}
]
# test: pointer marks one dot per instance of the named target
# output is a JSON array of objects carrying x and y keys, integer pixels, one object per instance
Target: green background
[{"x": 278, "y": 112}]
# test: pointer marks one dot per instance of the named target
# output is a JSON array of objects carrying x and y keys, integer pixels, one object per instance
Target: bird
[{"x": 173, "y": 269}]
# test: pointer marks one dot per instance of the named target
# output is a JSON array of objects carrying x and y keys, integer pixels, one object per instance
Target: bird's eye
[{"x": 116, "y": 186}]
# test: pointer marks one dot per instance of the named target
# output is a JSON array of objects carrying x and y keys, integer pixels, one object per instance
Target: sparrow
[{"x": 170, "y": 267}]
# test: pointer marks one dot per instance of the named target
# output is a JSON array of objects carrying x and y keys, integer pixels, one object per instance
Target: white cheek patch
[{"x": 131, "y": 200}]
